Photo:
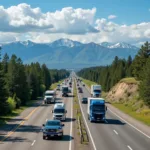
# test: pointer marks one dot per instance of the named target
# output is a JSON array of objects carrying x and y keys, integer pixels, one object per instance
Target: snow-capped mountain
[
  {"x": 123, "y": 45},
  {"x": 65, "y": 53},
  {"x": 64, "y": 42},
  {"x": 118, "y": 45}
]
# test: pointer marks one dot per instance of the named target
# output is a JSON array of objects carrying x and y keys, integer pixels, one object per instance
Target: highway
[
  {"x": 114, "y": 134},
  {"x": 28, "y": 134}
]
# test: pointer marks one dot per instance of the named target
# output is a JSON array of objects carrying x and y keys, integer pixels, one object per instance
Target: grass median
[{"x": 78, "y": 116}]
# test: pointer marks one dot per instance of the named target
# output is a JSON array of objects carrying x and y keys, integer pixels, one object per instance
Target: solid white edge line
[
  {"x": 115, "y": 132},
  {"x": 126, "y": 121},
  {"x": 86, "y": 123},
  {"x": 33, "y": 142},
  {"x": 130, "y": 124},
  {"x": 129, "y": 147},
  {"x": 70, "y": 144}
]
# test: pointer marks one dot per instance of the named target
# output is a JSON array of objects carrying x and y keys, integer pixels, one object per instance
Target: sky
[{"x": 80, "y": 20}]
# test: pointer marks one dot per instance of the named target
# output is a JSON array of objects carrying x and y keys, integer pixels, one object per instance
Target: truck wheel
[
  {"x": 61, "y": 137},
  {"x": 90, "y": 120},
  {"x": 44, "y": 137}
]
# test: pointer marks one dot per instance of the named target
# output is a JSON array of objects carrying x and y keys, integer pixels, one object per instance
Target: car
[
  {"x": 84, "y": 100},
  {"x": 83, "y": 84},
  {"x": 77, "y": 84},
  {"x": 53, "y": 128},
  {"x": 80, "y": 90}
]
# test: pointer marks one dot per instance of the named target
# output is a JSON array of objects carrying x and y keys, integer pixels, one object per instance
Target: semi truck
[
  {"x": 96, "y": 90},
  {"x": 65, "y": 91},
  {"x": 49, "y": 96},
  {"x": 96, "y": 109},
  {"x": 59, "y": 112}
]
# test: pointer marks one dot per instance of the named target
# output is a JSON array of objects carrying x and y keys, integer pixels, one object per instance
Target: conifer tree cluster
[
  {"x": 109, "y": 75},
  {"x": 24, "y": 82}
]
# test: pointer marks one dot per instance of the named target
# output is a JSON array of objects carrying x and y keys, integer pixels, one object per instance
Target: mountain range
[{"x": 65, "y": 53}]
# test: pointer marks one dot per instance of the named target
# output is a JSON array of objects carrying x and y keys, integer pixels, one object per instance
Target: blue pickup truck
[{"x": 53, "y": 128}]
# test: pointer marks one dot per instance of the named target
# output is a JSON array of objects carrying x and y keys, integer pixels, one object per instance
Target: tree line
[
  {"x": 109, "y": 75},
  {"x": 20, "y": 83}
]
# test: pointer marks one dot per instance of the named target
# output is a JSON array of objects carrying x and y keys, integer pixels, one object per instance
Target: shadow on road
[
  {"x": 114, "y": 121},
  {"x": 15, "y": 119},
  {"x": 70, "y": 119},
  {"x": 65, "y": 138},
  {"x": 111, "y": 121}
]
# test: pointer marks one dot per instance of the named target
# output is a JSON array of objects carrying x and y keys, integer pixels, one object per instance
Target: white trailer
[{"x": 96, "y": 90}]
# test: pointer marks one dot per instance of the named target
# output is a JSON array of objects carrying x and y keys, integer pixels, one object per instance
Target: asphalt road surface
[
  {"x": 28, "y": 133},
  {"x": 114, "y": 134}
]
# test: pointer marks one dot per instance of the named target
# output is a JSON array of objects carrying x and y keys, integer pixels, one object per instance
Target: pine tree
[
  {"x": 5, "y": 62},
  {"x": 145, "y": 84},
  {"x": 140, "y": 61},
  {"x": 3, "y": 91}
]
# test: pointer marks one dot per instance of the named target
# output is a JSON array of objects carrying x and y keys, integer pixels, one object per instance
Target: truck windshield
[
  {"x": 49, "y": 94},
  {"x": 98, "y": 107},
  {"x": 59, "y": 110},
  {"x": 65, "y": 89},
  {"x": 98, "y": 91}
]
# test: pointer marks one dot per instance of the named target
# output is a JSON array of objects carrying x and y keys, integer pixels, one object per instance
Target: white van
[
  {"x": 49, "y": 96},
  {"x": 59, "y": 111}
]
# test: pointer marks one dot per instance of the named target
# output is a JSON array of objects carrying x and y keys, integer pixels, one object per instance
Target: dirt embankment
[{"x": 123, "y": 91}]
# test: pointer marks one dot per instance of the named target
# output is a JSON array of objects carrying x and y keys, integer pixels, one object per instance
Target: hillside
[
  {"x": 65, "y": 53},
  {"x": 125, "y": 96}
]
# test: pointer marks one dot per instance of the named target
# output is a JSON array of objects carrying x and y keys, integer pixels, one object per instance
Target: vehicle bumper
[
  {"x": 59, "y": 118},
  {"x": 52, "y": 134}
]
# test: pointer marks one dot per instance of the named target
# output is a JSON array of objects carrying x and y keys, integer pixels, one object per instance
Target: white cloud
[
  {"x": 112, "y": 16},
  {"x": 23, "y": 18},
  {"x": 22, "y": 22}
]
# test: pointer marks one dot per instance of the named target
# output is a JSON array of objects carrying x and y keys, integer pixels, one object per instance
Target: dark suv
[{"x": 53, "y": 128}]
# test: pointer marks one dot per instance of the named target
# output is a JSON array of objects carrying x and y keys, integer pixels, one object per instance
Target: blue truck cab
[{"x": 96, "y": 109}]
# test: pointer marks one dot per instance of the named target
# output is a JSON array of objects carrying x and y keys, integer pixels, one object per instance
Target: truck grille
[
  {"x": 98, "y": 116},
  {"x": 58, "y": 115},
  {"x": 51, "y": 130}
]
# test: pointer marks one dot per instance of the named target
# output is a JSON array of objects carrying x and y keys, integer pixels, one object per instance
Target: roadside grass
[
  {"x": 54, "y": 85},
  {"x": 14, "y": 113},
  {"x": 88, "y": 82},
  {"x": 143, "y": 116},
  {"x": 129, "y": 80},
  {"x": 133, "y": 107}
]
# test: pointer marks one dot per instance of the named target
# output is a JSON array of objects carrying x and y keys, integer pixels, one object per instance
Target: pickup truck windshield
[
  {"x": 59, "y": 111},
  {"x": 52, "y": 123}
]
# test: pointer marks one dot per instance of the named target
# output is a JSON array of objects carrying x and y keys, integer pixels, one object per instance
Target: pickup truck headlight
[
  {"x": 44, "y": 130},
  {"x": 59, "y": 130}
]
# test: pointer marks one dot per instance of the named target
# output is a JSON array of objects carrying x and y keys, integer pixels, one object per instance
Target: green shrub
[{"x": 11, "y": 104}]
